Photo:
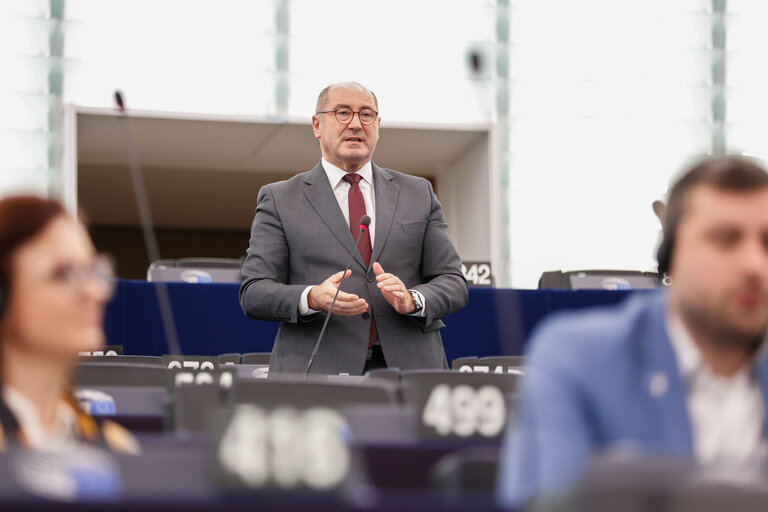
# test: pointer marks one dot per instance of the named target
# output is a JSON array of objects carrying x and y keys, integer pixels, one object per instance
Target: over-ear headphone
[
  {"x": 735, "y": 173},
  {"x": 664, "y": 253}
]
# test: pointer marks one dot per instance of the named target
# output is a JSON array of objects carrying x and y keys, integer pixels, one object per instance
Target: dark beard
[{"x": 716, "y": 332}]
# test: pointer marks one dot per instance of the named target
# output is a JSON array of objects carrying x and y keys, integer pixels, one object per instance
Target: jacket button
[
  {"x": 370, "y": 277},
  {"x": 366, "y": 315}
]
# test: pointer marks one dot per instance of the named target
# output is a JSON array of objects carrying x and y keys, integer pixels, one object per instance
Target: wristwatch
[{"x": 416, "y": 301}]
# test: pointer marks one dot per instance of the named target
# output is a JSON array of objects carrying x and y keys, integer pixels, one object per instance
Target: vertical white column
[
  {"x": 504, "y": 232},
  {"x": 282, "y": 56}
]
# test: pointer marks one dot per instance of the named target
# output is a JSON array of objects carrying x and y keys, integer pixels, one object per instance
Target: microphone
[
  {"x": 145, "y": 217},
  {"x": 119, "y": 101},
  {"x": 365, "y": 221}
]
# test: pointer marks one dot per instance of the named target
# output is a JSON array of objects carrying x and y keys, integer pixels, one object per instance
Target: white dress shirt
[
  {"x": 727, "y": 413},
  {"x": 64, "y": 429},
  {"x": 341, "y": 191}
]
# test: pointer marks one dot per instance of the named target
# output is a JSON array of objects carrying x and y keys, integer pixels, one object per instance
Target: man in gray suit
[{"x": 405, "y": 276}]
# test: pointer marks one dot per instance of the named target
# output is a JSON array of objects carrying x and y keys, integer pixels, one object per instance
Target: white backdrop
[{"x": 609, "y": 98}]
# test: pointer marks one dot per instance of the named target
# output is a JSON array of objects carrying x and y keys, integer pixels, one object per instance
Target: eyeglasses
[
  {"x": 100, "y": 269},
  {"x": 345, "y": 115}
]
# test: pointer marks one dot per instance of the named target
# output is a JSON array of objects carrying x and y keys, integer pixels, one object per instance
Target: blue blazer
[{"x": 598, "y": 380}]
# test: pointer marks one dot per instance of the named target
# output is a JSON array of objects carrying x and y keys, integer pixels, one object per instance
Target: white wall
[
  {"x": 607, "y": 99},
  {"x": 464, "y": 189}
]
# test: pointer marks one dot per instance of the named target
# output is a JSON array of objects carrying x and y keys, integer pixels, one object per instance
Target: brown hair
[
  {"x": 734, "y": 173},
  {"x": 21, "y": 219}
]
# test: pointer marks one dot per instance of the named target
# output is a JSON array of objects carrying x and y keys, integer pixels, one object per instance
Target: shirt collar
[
  {"x": 26, "y": 413},
  {"x": 688, "y": 355},
  {"x": 335, "y": 174}
]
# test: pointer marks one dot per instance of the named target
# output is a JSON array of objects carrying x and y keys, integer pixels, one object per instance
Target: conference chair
[
  {"x": 192, "y": 407},
  {"x": 231, "y": 358},
  {"x": 256, "y": 358},
  {"x": 106, "y": 350},
  {"x": 195, "y": 395},
  {"x": 514, "y": 361},
  {"x": 140, "y": 360},
  {"x": 471, "y": 469},
  {"x": 173, "y": 473},
  {"x": 464, "y": 361},
  {"x": 663, "y": 483},
  {"x": 314, "y": 391},
  {"x": 491, "y": 364},
  {"x": 389, "y": 374},
  {"x": 124, "y": 400},
  {"x": 410, "y": 379},
  {"x": 382, "y": 423},
  {"x": 119, "y": 374},
  {"x": 195, "y": 270},
  {"x": 599, "y": 280},
  {"x": 416, "y": 385},
  {"x": 119, "y": 389},
  {"x": 252, "y": 371}
]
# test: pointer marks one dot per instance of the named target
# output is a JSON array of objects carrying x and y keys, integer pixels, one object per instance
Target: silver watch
[{"x": 417, "y": 301}]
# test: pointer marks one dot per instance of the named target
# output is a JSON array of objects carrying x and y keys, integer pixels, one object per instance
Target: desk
[
  {"x": 210, "y": 322},
  {"x": 176, "y": 474}
]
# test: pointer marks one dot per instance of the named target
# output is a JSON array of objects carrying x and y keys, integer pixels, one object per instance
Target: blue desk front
[{"x": 210, "y": 322}]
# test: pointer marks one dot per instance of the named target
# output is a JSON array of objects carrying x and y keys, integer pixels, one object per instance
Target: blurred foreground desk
[
  {"x": 210, "y": 322},
  {"x": 179, "y": 475}
]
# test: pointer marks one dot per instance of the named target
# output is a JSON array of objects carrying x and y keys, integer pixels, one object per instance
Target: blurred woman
[{"x": 53, "y": 290}]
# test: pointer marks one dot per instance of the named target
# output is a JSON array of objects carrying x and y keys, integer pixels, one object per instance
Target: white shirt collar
[
  {"x": 688, "y": 355},
  {"x": 26, "y": 413},
  {"x": 336, "y": 174}
]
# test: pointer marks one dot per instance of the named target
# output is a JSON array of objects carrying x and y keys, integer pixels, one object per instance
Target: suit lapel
[
  {"x": 320, "y": 195},
  {"x": 664, "y": 386},
  {"x": 386, "y": 193},
  {"x": 761, "y": 369}
]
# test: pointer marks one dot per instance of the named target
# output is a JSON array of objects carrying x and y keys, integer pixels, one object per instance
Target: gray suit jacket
[{"x": 299, "y": 238}]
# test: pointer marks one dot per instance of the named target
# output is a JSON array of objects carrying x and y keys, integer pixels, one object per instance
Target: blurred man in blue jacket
[{"x": 682, "y": 372}]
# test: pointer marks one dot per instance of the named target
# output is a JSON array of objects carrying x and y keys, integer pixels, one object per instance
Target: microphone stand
[{"x": 363, "y": 227}]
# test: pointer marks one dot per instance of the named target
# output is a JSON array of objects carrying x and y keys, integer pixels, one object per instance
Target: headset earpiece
[{"x": 664, "y": 255}]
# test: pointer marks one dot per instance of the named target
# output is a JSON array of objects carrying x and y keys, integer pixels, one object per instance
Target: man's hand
[
  {"x": 394, "y": 291},
  {"x": 320, "y": 298}
]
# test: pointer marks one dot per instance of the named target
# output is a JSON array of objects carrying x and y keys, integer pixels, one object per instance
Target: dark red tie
[{"x": 356, "y": 211}]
